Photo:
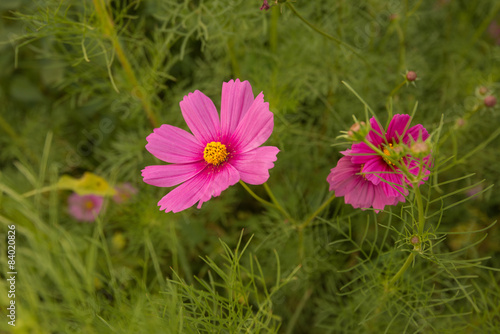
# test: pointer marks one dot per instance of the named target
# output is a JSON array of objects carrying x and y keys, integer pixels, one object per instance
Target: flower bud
[
  {"x": 420, "y": 149},
  {"x": 482, "y": 90},
  {"x": 265, "y": 5},
  {"x": 393, "y": 17},
  {"x": 358, "y": 131},
  {"x": 490, "y": 101},
  {"x": 411, "y": 76},
  {"x": 460, "y": 123}
]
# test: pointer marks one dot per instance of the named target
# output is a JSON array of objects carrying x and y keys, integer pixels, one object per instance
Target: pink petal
[
  {"x": 255, "y": 127},
  {"x": 171, "y": 175},
  {"x": 414, "y": 133},
  {"x": 201, "y": 116},
  {"x": 200, "y": 188},
  {"x": 352, "y": 197},
  {"x": 343, "y": 176},
  {"x": 397, "y": 128},
  {"x": 362, "y": 153},
  {"x": 174, "y": 145},
  {"x": 362, "y": 195},
  {"x": 222, "y": 178},
  {"x": 376, "y": 136},
  {"x": 393, "y": 184},
  {"x": 237, "y": 97},
  {"x": 253, "y": 166},
  {"x": 357, "y": 191},
  {"x": 373, "y": 167},
  {"x": 187, "y": 194}
]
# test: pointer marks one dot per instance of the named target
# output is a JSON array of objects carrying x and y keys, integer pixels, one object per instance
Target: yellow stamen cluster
[
  {"x": 361, "y": 171},
  {"x": 89, "y": 205},
  {"x": 387, "y": 151},
  {"x": 215, "y": 153}
]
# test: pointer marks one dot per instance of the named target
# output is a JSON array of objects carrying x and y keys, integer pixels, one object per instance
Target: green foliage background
[{"x": 82, "y": 83}]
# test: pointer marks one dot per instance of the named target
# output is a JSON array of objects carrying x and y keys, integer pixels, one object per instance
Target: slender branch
[
  {"x": 110, "y": 32},
  {"x": 420, "y": 207},
  {"x": 398, "y": 87},
  {"x": 315, "y": 213},
  {"x": 276, "y": 204},
  {"x": 40, "y": 190},
  {"x": 254, "y": 195},
  {"x": 325, "y": 34},
  {"x": 401, "y": 271}
]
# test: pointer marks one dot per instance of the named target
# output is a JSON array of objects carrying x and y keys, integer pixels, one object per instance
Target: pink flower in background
[
  {"x": 494, "y": 31},
  {"x": 348, "y": 180},
  {"x": 379, "y": 169},
  {"x": 124, "y": 193},
  {"x": 219, "y": 153},
  {"x": 84, "y": 208}
]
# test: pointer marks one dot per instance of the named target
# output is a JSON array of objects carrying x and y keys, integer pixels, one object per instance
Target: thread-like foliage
[{"x": 83, "y": 83}]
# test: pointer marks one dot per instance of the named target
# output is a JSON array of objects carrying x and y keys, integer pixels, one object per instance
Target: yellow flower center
[
  {"x": 361, "y": 171},
  {"x": 387, "y": 152},
  {"x": 89, "y": 205},
  {"x": 215, "y": 153}
]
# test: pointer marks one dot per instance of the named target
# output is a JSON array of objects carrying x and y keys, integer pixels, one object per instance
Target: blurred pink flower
[
  {"x": 348, "y": 180},
  {"x": 219, "y": 153},
  {"x": 84, "y": 208},
  {"x": 474, "y": 191},
  {"x": 124, "y": 193},
  {"x": 494, "y": 31}
]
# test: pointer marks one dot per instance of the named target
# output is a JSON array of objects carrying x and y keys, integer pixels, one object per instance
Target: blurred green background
[{"x": 82, "y": 83}]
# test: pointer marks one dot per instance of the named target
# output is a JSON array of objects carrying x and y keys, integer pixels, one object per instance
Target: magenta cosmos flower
[
  {"x": 84, "y": 208},
  {"x": 348, "y": 180},
  {"x": 219, "y": 153},
  {"x": 368, "y": 179}
]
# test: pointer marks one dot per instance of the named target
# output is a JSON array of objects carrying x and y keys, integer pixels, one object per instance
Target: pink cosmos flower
[
  {"x": 219, "y": 153},
  {"x": 368, "y": 179},
  {"x": 84, "y": 208},
  {"x": 124, "y": 192},
  {"x": 348, "y": 180},
  {"x": 378, "y": 169}
]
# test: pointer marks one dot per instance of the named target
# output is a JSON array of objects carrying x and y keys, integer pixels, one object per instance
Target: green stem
[
  {"x": 325, "y": 34},
  {"x": 40, "y": 190},
  {"x": 234, "y": 58},
  {"x": 398, "y": 87},
  {"x": 12, "y": 133},
  {"x": 276, "y": 204},
  {"x": 420, "y": 206},
  {"x": 401, "y": 271},
  {"x": 315, "y": 213},
  {"x": 254, "y": 195},
  {"x": 273, "y": 30},
  {"x": 110, "y": 31}
]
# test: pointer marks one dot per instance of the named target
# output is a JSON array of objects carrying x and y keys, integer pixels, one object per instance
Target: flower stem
[
  {"x": 315, "y": 213},
  {"x": 401, "y": 271},
  {"x": 40, "y": 190},
  {"x": 398, "y": 87},
  {"x": 325, "y": 34},
  {"x": 420, "y": 207},
  {"x": 110, "y": 32},
  {"x": 276, "y": 204},
  {"x": 254, "y": 195}
]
